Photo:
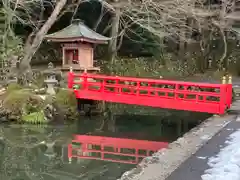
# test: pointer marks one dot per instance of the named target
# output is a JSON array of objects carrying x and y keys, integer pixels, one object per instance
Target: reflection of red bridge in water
[
  {"x": 112, "y": 149},
  {"x": 191, "y": 96}
]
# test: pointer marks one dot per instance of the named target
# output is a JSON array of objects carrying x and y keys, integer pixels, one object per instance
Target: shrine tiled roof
[{"x": 77, "y": 31}]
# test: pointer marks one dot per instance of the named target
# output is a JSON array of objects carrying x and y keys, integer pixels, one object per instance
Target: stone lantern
[
  {"x": 50, "y": 80},
  {"x": 50, "y": 152}
]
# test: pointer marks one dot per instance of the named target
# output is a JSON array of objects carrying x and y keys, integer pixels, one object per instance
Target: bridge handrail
[
  {"x": 134, "y": 79},
  {"x": 119, "y": 142},
  {"x": 192, "y": 92}
]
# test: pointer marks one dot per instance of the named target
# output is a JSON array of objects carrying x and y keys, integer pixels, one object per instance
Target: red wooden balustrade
[
  {"x": 112, "y": 149},
  {"x": 191, "y": 96}
]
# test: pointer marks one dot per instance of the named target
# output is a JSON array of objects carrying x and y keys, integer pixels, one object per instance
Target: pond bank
[{"x": 33, "y": 105}]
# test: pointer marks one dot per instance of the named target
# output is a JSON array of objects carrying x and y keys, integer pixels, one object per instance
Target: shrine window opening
[
  {"x": 71, "y": 56},
  {"x": 75, "y": 57}
]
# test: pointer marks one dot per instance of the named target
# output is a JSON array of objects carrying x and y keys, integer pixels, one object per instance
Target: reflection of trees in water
[
  {"x": 30, "y": 136},
  {"x": 98, "y": 124},
  {"x": 26, "y": 154},
  {"x": 34, "y": 153}
]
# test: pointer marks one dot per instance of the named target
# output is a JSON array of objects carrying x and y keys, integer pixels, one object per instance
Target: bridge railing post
[
  {"x": 103, "y": 85},
  {"x": 138, "y": 88},
  {"x": 102, "y": 151},
  {"x": 70, "y": 79},
  {"x": 85, "y": 77},
  {"x": 229, "y": 92},
  {"x": 70, "y": 153},
  {"x": 176, "y": 91},
  {"x": 223, "y": 96}
]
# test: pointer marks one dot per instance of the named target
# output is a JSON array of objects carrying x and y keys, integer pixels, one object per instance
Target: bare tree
[
  {"x": 179, "y": 19},
  {"x": 175, "y": 19},
  {"x": 30, "y": 13},
  {"x": 25, "y": 63}
]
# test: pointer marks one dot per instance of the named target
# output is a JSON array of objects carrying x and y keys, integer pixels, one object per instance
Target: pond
[{"x": 41, "y": 151}]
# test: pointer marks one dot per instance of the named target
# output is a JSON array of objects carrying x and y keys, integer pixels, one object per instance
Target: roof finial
[{"x": 77, "y": 21}]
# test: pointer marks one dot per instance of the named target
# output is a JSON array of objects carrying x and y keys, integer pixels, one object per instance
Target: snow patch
[
  {"x": 226, "y": 164},
  {"x": 205, "y": 137},
  {"x": 200, "y": 157},
  {"x": 238, "y": 118}
]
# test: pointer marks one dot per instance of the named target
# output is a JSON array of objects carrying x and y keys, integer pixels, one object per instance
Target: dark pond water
[{"x": 37, "y": 152}]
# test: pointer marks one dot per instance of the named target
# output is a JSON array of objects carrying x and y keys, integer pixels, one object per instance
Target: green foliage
[
  {"x": 67, "y": 103},
  {"x": 66, "y": 98},
  {"x": 15, "y": 99},
  {"x": 76, "y": 86},
  {"x": 141, "y": 67},
  {"x": 34, "y": 118},
  {"x": 39, "y": 81},
  {"x": 182, "y": 68},
  {"x": 13, "y": 87},
  {"x": 22, "y": 102}
]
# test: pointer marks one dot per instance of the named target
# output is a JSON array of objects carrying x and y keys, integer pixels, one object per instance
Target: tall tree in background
[
  {"x": 10, "y": 44},
  {"x": 37, "y": 40},
  {"x": 30, "y": 13},
  {"x": 180, "y": 19},
  {"x": 176, "y": 19}
]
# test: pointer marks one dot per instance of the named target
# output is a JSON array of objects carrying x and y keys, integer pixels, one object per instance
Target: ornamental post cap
[{"x": 77, "y": 21}]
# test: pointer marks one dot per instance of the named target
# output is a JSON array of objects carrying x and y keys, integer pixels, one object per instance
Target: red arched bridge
[
  {"x": 190, "y": 96},
  {"x": 120, "y": 150}
]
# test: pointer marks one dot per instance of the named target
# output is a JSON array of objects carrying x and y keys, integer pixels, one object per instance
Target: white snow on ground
[
  {"x": 238, "y": 118},
  {"x": 226, "y": 164}
]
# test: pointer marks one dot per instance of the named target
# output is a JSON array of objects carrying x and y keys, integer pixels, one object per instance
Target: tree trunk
[
  {"x": 112, "y": 48},
  {"x": 181, "y": 50},
  {"x": 182, "y": 43},
  {"x": 25, "y": 63},
  {"x": 223, "y": 61}
]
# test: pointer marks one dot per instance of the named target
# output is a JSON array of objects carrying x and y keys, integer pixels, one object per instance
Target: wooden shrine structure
[{"x": 77, "y": 42}]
